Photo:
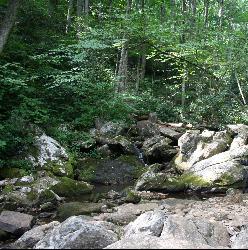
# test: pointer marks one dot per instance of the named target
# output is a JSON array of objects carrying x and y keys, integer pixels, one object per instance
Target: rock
[
  {"x": 104, "y": 151},
  {"x": 124, "y": 169},
  {"x": 149, "y": 223},
  {"x": 196, "y": 230},
  {"x": 152, "y": 179},
  {"x": 15, "y": 223},
  {"x": 158, "y": 149},
  {"x": 118, "y": 144},
  {"x": 132, "y": 197},
  {"x": 196, "y": 146},
  {"x": 107, "y": 129},
  {"x": 240, "y": 135},
  {"x": 3, "y": 235},
  {"x": 49, "y": 154},
  {"x": 147, "y": 128},
  {"x": 42, "y": 191},
  {"x": 12, "y": 173},
  {"x": 78, "y": 233},
  {"x": 241, "y": 239},
  {"x": 67, "y": 187},
  {"x": 169, "y": 132},
  {"x": 151, "y": 242},
  {"x": 127, "y": 212},
  {"x": 32, "y": 237},
  {"x": 67, "y": 210},
  {"x": 113, "y": 195},
  {"x": 223, "y": 169}
]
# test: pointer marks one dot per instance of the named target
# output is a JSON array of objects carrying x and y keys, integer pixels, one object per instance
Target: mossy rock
[
  {"x": 132, "y": 197},
  {"x": 59, "y": 169},
  {"x": 12, "y": 173},
  {"x": 158, "y": 181},
  {"x": 71, "y": 188},
  {"x": 67, "y": 210},
  {"x": 125, "y": 169},
  {"x": 4, "y": 235},
  {"x": 185, "y": 181}
]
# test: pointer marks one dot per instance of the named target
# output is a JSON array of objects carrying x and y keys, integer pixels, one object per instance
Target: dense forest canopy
[{"x": 65, "y": 63}]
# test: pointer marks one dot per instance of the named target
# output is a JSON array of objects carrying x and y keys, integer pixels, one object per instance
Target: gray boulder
[
  {"x": 32, "y": 237},
  {"x": 195, "y": 230},
  {"x": 158, "y": 149},
  {"x": 15, "y": 223},
  {"x": 222, "y": 169},
  {"x": 240, "y": 132},
  {"x": 241, "y": 239},
  {"x": 140, "y": 241},
  {"x": 147, "y": 128},
  {"x": 149, "y": 223},
  {"x": 196, "y": 146},
  {"x": 169, "y": 132},
  {"x": 78, "y": 233},
  {"x": 47, "y": 153},
  {"x": 153, "y": 179}
]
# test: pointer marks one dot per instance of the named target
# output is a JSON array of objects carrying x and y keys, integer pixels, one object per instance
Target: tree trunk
[
  {"x": 52, "y": 5},
  {"x": 206, "y": 12},
  {"x": 8, "y": 22},
  {"x": 123, "y": 64},
  {"x": 240, "y": 89},
  {"x": 193, "y": 10},
  {"x": 184, "y": 10},
  {"x": 221, "y": 12},
  {"x": 69, "y": 12},
  {"x": 163, "y": 12},
  {"x": 86, "y": 7},
  {"x": 123, "y": 69}
]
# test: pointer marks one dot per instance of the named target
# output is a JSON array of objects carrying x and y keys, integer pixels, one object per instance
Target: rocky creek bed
[{"x": 155, "y": 185}]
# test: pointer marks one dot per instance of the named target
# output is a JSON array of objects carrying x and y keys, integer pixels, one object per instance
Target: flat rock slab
[{"x": 15, "y": 223}]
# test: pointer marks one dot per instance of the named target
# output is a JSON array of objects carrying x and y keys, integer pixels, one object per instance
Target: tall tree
[
  {"x": 123, "y": 63},
  {"x": 69, "y": 13},
  {"x": 8, "y": 22},
  {"x": 206, "y": 12}
]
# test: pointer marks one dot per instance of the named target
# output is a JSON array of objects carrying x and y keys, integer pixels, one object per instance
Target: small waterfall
[{"x": 139, "y": 154}]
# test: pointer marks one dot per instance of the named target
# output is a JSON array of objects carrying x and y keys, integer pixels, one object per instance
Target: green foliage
[{"x": 52, "y": 79}]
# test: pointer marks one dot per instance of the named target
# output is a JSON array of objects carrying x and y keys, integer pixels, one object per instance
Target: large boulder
[
  {"x": 140, "y": 241},
  {"x": 67, "y": 187},
  {"x": 170, "y": 132},
  {"x": 152, "y": 179},
  {"x": 127, "y": 213},
  {"x": 33, "y": 236},
  {"x": 195, "y": 230},
  {"x": 240, "y": 132},
  {"x": 149, "y": 223},
  {"x": 223, "y": 169},
  {"x": 147, "y": 128},
  {"x": 67, "y": 210},
  {"x": 157, "y": 230},
  {"x": 240, "y": 241},
  {"x": 158, "y": 149},
  {"x": 48, "y": 154},
  {"x": 196, "y": 146},
  {"x": 28, "y": 192},
  {"x": 125, "y": 169},
  {"x": 117, "y": 145},
  {"x": 15, "y": 223},
  {"x": 78, "y": 233}
]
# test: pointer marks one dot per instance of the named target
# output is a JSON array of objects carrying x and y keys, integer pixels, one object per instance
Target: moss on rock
[
  {"x": 77, "y": 208},
  {"x": 185, "y": 181},
  {"x": 69, "y": 188},
  {"x": 124, "y": 169},
  {"x": 12, "y": 173}
]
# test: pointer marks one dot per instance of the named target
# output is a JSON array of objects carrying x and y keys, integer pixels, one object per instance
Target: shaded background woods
[{"x": 65, "y": 63}]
